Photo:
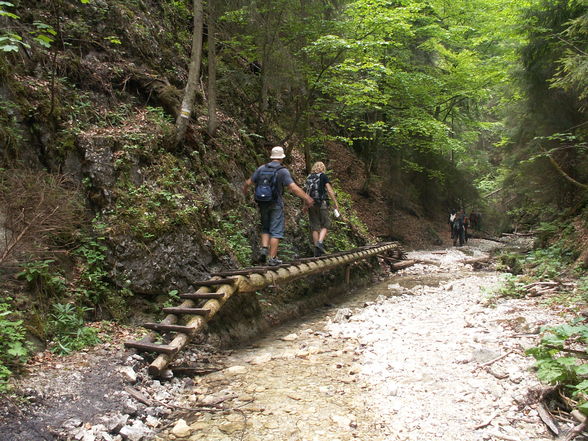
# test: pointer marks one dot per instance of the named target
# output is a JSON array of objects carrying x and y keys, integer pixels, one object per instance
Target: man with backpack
[
  {"x": 270, "y": 180},
  {"x": 319, "y": 188}
]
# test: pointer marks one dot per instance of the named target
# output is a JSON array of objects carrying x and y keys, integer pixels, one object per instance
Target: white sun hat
[{"x": 278, "y": 153}]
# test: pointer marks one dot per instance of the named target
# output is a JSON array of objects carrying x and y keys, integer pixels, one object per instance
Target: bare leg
[
  {"x": 323, "y": 234},
  {"x": 273, "y": 246},
  {"x": 265, "y": 240},
  {"x": 315, "y": 237}
]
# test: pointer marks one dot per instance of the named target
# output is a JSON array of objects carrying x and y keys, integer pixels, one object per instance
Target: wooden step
[
  {"x": 178, "y": 310},
  {"x": 169, "y": 328},
  {"x": 226, "y": 281},
  {"x": 151, "y": 347},
  {"x": 202, "y": 295}
]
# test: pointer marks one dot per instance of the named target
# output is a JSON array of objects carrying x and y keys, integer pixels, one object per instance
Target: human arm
[
  {"x": 331, "y": 193},
  {"x": 248, "y": 183},
  {"x": 293, "y": 188}
]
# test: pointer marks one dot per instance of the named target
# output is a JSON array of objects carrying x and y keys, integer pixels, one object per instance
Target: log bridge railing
[{"x": 199, "y": 307}]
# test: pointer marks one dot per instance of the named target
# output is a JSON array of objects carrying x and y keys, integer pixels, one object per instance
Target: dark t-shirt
[{"x": 283, "y": 179}]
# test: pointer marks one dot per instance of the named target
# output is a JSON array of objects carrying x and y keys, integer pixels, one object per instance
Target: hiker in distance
[
  {"x": 270, "y": 180},
  {"x": 319, "y": 188}
]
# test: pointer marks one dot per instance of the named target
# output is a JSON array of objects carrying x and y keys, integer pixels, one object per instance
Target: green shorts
[{"x": 319, "y": 217}]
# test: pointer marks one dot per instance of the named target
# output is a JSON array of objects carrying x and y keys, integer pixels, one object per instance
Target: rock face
[
  {"x": 174, "y": 260},
  {"x": 99, "y": 167}
]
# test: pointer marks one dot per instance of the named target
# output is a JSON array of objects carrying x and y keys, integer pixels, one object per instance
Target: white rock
[
  {"x": 181, "y": 429},
  {"x": 235, "y": 370},
  {"x": 290, "y": 337},
  {"x": 151, "y": 421},
  {"x": 342, "y": 421},
  {"x": 136, "y": 432},
  {"x": 128, "y": 374}
]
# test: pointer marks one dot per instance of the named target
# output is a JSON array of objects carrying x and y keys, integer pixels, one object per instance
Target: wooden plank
[
  {"x": 178, "y": 310},
  {"x": 151, "y": 347},
  {"x": 168, "y": 328},
  {"x": 202, "y": 295}
]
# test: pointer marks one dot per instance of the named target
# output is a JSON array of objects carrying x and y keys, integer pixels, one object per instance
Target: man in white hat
[{"x": 270, "y": 180}]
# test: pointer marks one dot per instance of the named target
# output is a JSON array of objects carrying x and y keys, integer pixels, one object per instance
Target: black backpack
[
  {"x": 266, "y": 189},
  {"x": 313, "y": 187}
]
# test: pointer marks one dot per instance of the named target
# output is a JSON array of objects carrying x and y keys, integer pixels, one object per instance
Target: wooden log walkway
[{"x": 199, "y": 307}]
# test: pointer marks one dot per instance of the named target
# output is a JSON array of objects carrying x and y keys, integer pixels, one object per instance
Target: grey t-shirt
[{"x": 283, "y": 179}]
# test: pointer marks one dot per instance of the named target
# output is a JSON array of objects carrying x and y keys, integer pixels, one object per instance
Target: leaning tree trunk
[
  {"x": 193, "y": 75},
  {"x": 212, "y": 120}
]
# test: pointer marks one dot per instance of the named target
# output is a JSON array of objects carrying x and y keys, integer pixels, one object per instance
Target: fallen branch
[
  {"x": 476, "y": 260},
  {"x": 531, "y": 285},
  {"x": 402, "y": 265},
  {"x": 578, "y": 353},
  {"x": 575, "y": 431},
  {"x": 428, "y": 262},
  {"x": 578, "y": 416},
  {"x": 213, "y": 407},
  {"x": 488, "y": 421},
  {"x": 496, "y": 374},
  {"x": 547, "y": 418},
  {"x": 488, "y": 363},
  {"x": 138, "y": 396}
]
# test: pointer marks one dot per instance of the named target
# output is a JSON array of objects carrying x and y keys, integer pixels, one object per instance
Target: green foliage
[
  {"x": 43, "y": 34},
  {"x": 512, "y": 287},
  {"x": 9, "y": 41},
  {"x": 92, "y": 284},
  {"x": 510, "y": 262},
  {"x": 44, "y": 278},
  {"x": 172, "y": 300},
  {"x": 13, "y": 348},
  {"x": 230, "y": 238},
  {"x": 67, "y": 327},
  {"x": 561, "y": 359}
]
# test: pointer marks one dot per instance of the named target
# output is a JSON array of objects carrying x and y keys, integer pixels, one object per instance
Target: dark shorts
[
  {"x": 319, "y": 218},
  {"x": 272, "y": 220}
]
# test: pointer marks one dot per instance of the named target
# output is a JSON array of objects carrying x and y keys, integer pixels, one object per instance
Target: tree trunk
[
  {"x": 212, "y": 121},
  {"x": 193, "y": 75}
]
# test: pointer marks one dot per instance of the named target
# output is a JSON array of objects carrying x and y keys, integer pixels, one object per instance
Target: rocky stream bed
[{"x": 422, "y": 355}]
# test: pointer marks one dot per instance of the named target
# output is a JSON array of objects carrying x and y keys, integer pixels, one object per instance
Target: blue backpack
[{"x": 266, "y": 189}]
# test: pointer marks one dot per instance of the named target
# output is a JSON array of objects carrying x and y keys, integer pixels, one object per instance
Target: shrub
[
  {"x": 67, "y": 328},
  {"x": 13, "y": 349},
  {"x": 561, "y": 360}
]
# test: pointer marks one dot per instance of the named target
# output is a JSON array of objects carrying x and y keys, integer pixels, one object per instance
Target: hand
[{"x": 309, "y": 202}]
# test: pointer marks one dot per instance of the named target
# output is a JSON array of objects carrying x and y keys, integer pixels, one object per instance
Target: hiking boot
[
  {"x": 274, "y": 261},
  {"x": 263, "y": 254},
  {"x": 321, "y": 247}
]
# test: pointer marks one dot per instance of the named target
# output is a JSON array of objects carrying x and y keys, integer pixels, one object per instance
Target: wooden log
[
  {"x": 178, "y": 310},
  {"x": 151, "y": 347},
  {"x": 201, "y": 295},
  {"x": 476, "y": 260},
  {"x": 192, "y": 370},
  {"x": 214, "y": 282},
  {"x": 168, "y": 328},
  {"x": 401, "y": 265}
]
